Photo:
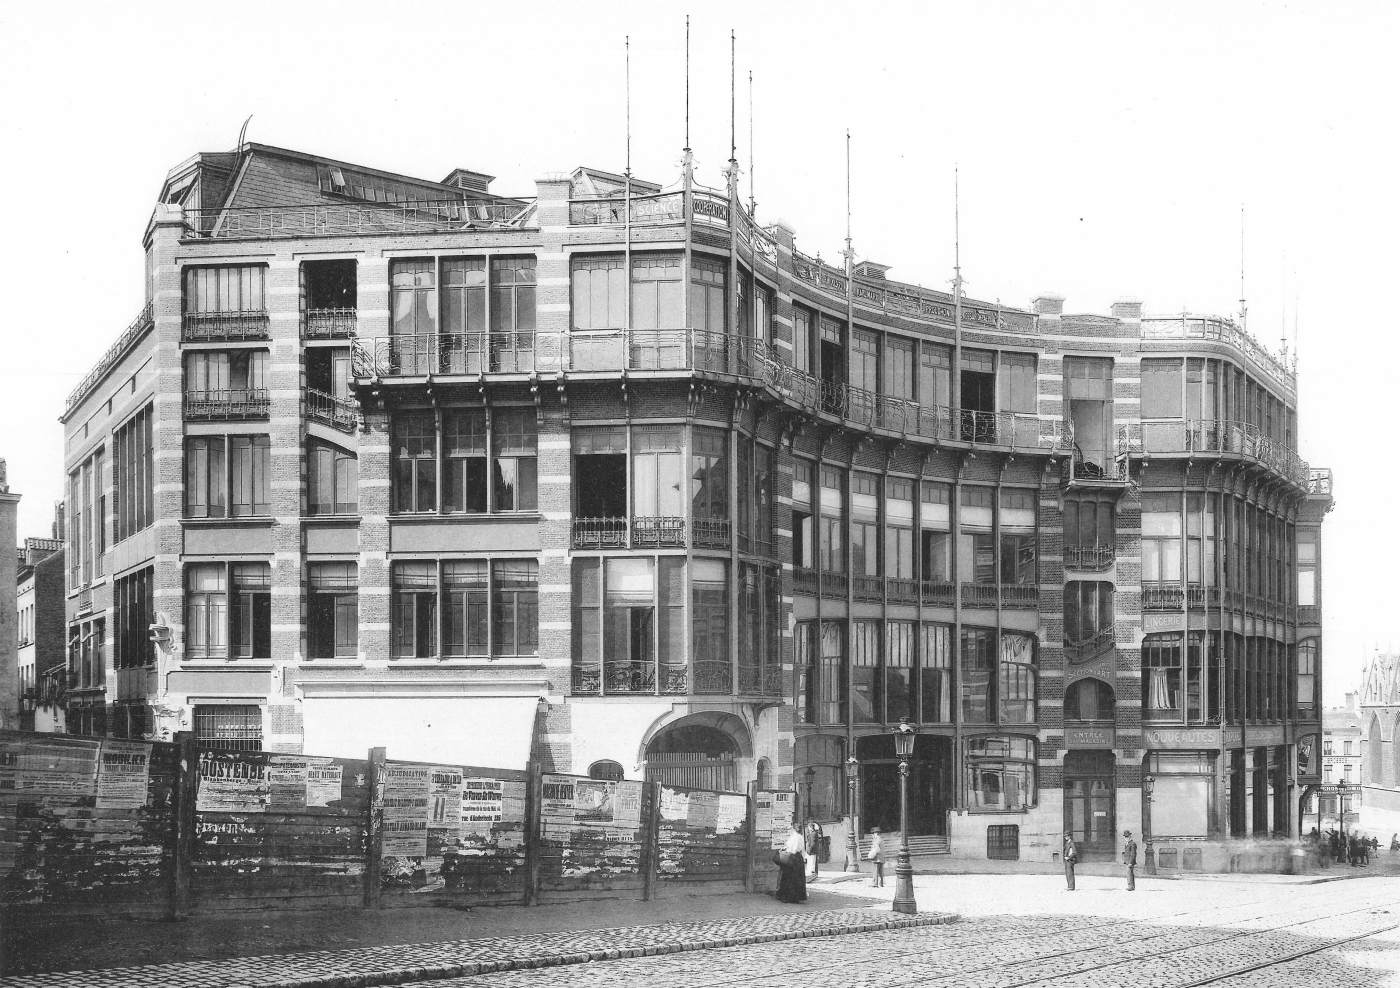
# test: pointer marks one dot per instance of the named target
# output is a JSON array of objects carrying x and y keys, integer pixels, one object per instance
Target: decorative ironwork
[
  {"x": 200, "y": 327},
  {"x": 329, "y": 324},
  {"x": 658, "y": 532},
  {"x": 1162, "y": 597},
  {"x": 710, "y": 533},
  {"x": 869, "y": 588},
  {"x": 646, "y": 210},
  {"x": 600, "y": 533},
  {"x": 1094, "y": 558},
  {"x": 1320, "y": 481},
  {"x": 629, "y": 677},
  {"x": 804, "y": 580},
  {"x": 764, "y": 680},
  {"x": 242, "y": 403},
  {"x": 1309, "y": 614},
  {"x": 342, "y": 219},
  {"x": 134, "y": 331},
  {"x": 936, "y": 593},
  {"x": 902, "y": 590},
  {"x": 713, "y": 677},
  {"x": 1019, "y": 595},
  {"x": 587, "y": 682},
  {"x": 674, "y": 680},
  {"x": 1225, "y": 331},
  {"x": 339, "y": 413},
  {"x": 833, "y": 584},
  {"x": 1091, "y": 647},
  {"x": 979, "y": 594}
]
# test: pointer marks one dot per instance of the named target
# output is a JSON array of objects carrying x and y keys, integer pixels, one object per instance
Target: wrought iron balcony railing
[
  {"x": 243, "y": 403},
  {"x": 804, "y": 580},
  {"x": 712, "y": 677},
  {"x": 1082, "y": 650},
  {"x": 338, "y": 413},
  {"x": 329, "y": 324},
  {"x": 936, "y": 593},
  {"x": 205, "y": 327},
  {"x": 833, "y": 583},
  {"x": 600, "y": 533},
  {"x": 629, "y": 677},
  {"x": 763, "y": 680},
  {"x": 710, "y": 533},
  {"x": 901, "y": 590},
  {"x": 1094, "y": 558},
  {"x": 1223, "y": 436},
  {"x": 979, "y": 594},
  {"x": 1020, "y": 595},
  {"x": 1163, "y": 597},
  {"x": 868, "y": 588},
  {"x": 658, "y": 532}
]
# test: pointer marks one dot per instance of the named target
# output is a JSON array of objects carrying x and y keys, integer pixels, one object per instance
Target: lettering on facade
[
  {"x": 1089, "y": 737},
  {"x": 1181, "y": 738}
]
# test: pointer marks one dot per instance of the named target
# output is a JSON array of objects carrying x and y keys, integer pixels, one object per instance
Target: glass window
[
  {"x": 1089, "y": 700},
  {"x": 936, "y": 673},
  {"x": 464, "y": 456},
  {"x": 515, "y": 607},
  {"x": 466, "y": 597},
  {"x": 708, "y": 307},
  {"x": 801, "y": 339},
  {"x": 599, "y": 292},
  {"x": 414, "y": 610},
  {"x": 899, "y": 368},
  {"x": 1161, "y": 389},
  {"x": 1018, "y": 383},
  {"x": 412, "y": 305},
  {"x": 332, "y": 626},
  {"x": 935, "y": 370},
  {"x": 977, "y": 666},
  {"x": 228, "y": 727},
  {"x": 513, "y": 295},
  {"x": 866, "y": 682},
  {"x": 863, "y": 356},
  {"x": 830, "y": 546},
  {"x": 1161, "y": 537},
  {"x": 709, "y": 588},
  {"x": 225, "y": 289},
  {"x": 204, "y": 478},
  {"x": 464, "y": 295},
  {"x": 515, "y": 442},
  {"x": 831, "y": 678},
  {"x": 1000, "y": 773},
  {"x": 1016, "y": 684},
  {"x": 656, "y": 292},
  {"x": 415, "y": 462},
  {"x": 251, "y": 626},
  {"x": 709, "y": 467},
  {"x": 206, "y": 611},
  {"x": 332, "y": 480},
  {"x": 899, "y": 672}
]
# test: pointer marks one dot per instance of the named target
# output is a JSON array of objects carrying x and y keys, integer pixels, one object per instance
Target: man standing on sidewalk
[
  {"x": 1130, "y": 858},
  {"x": 1071, "y": 855}
]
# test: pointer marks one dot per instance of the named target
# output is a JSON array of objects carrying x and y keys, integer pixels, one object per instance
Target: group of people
[
  {"x": 797, "y": 861},
  {"x": 1353, "y": 849},
  {"x": 1070, "y": 856}
]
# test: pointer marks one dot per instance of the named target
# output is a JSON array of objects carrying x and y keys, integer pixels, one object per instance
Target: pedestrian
[
  {"x": 813, "y": 846},
  {"x": 1130, "y": 858},
  {"x": 792, "y": 882},
  {"x": 876, "y": 856},
  {"x": 1394, "y": 843},
  {"x": 1071, "y": 856}
]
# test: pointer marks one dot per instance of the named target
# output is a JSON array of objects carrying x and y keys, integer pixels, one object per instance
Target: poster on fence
[
  {"x": 44, "y": 768},
  {"x": 772, "y": 816},
  {"x": 593, "y": 801},
  {"x": 124, "y": 767},
  {"x": 730, "y": 814},
  {"x": 482, "y": 805},
  {"x": 557, "y": 796},
  {"x": 445, "y": 799},
  {"x": 675, "y": 805},
  {"x": 324, "y": 780},
  {"x": 703, "y": 812},
  {"x": 287, "y": 779},
  {"x": 627, "y": 804},
  {"x": 406, "y": 797},
  {"x": 233, "y": 782}
]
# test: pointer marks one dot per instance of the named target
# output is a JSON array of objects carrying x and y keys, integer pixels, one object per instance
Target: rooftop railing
[
  {"x": 133, "y": 332},
  {"x": 356, "y": 218},
  {"x": 1224, "y": 331},
  {"x": 612, "y": 211}
]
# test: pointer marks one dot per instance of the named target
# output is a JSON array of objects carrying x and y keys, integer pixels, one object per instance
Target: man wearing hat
[
  {"x": 1130, "y": 858},
  {"x": 1071, "y": 855},
  {"x": 876, "y": 856}
]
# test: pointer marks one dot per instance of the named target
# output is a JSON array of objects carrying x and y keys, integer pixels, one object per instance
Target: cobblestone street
[{"x": 1008, "y": 930}]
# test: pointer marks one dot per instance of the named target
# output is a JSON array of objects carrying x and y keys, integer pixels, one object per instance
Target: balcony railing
[
  {"x": 629, "y": 677},
  {"x": 1089, "y": 648},
  {"x": 658, "y": 532},
  {"x": 600, "y": 533},
  {"x": 353, "y": 218},
  {"x": 901, "y": 590},
  {"x": 1223, "y": 436},
  {"x": 1309, "y": 614},
  {"x": 134, "y": 331},
  {"x": 979, "y": 594},
  {"x": 1019, "y": 595},
  {"x": 804, "y": 580},
  {"x": 617, "y": 351},
  {"x": 868, "y": 588},
  {"x": 1094, "y": 558},
  {"x": 329, "y": 324},
  {"x": 936, "y": 593},
  {"x": 1225, "y": 331},
  {"x": 712, "y": 677},
  {"x": 765, "y": 680},
  {"x": 338, "y": 413},
  {"x": 203, "y": 327},
  {"x": 833, "y": 583},
  {"x": 242, "y": 403},
  {"x": 1162, "y": 597},
  {"x": 639, "y": 532},
  {"x": 710, "y": 533}
]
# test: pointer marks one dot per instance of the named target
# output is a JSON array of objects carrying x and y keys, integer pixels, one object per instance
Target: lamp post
[
  {"x": 852, "y": 849},
  {"x": 1149, "y": 858},
  {"x": 903, "y": 870},
  {"x": 1342, "y": 815}
]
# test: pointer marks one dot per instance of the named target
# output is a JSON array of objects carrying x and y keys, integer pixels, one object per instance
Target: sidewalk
[{"x": 472, "y": 942}]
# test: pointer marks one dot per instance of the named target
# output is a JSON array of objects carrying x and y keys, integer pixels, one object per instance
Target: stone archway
[{"x": 701, "y": 751}]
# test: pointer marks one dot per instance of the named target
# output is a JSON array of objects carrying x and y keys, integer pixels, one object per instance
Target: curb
[{"x": 468, "y": 968}]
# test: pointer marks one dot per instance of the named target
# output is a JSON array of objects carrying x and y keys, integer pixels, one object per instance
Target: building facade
[
  {"x": 620, "y": 481},
  {"x": 40, "y": 628},
  {"x": 1378, "y": 742}
]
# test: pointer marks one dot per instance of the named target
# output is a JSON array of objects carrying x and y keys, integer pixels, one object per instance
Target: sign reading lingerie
[
  {"x": 445, "y": 799},
  {"x": 47, "y": 768},
  {"x": 482, "y": 804},
  {"x": 407, "y": 792},
  {"x": 123, "y": 769},
  {"x": 233, "y": 782}
]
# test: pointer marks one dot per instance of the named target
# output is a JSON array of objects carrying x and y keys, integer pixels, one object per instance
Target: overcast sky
[{"x": 1105, "y": 150}]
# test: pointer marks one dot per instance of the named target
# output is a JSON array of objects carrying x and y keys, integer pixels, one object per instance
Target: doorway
[
  {"x": 1089, "y": 802},
  {"x": 930, "y": 785}
]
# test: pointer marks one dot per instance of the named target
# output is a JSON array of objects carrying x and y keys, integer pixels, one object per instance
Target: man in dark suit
[
  {"x": 1130, "y": 858},
  {"x": 1071, "y": 856}
]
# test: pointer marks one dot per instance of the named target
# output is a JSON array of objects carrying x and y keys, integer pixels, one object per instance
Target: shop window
[{"x": 1000, "y": 773}]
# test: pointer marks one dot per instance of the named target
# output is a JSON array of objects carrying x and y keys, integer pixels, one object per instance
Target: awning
[{"x": 484, "y": 731}]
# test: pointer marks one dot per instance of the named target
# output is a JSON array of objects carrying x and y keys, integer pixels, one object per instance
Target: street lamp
[
  {"x": 1342, "y": 813},
  {"x": 852, "y": 849},
  {"x": 1149, "y": 858},
  {"x": 903, "y": 870}
]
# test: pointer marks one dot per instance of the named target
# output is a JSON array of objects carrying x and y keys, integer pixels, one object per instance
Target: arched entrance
[
  {"x": 1089, "y": 803},
  {"x": 699, "y": 752},
  {"x": 930, "y": 784}
]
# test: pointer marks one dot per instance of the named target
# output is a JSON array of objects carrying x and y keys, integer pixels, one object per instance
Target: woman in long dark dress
[{"x": 792, "y": 878}]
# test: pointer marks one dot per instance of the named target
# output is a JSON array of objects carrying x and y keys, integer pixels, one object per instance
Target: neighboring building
[
  {"x": 1343, "y": 746},
  {"x": 400, "y": 462},
  {"x": 41, "y": 626},
  {"x": 1379, "y": 730},
  {"x": 9, "y": 612}
]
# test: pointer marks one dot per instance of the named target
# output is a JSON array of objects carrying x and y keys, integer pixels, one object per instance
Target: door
[{"x": 1089, "y": 802}]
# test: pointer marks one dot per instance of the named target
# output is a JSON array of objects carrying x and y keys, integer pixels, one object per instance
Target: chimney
[
  {"x": 1127, "y": 309},
  {"x": 1048, "y": 305}
]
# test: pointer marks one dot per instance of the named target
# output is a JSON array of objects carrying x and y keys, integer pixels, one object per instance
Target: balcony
[
  {"x": 979, "y": 594},
  {"x": 1090, "y": 648},
  {"x": 1309, "y": 614},
  {"x": 641, "y": 532},
  {"x": 1163, "y": 597},
  {"x": 629, "y": 677},
  {"x": 804, "y": 580},
  {"x": 710, "y": 533},
  {"x": 329, "y": 324},
  {"x": 1020, "y": 596},
  {"x": 243, "y": 403},
  {"x": 1320, "y": 481},
  {"x": 1090, "y": 558},
  {"x": 134, "y": 331},
  {"x": 902, "y": 591},
  {"x": 713, "y": 677},
  {"x": 338, "y": 413},
  {"x": 869, "y": 588},
  {"x": 1225, "y": 437},
  {"x": 936, "y": 593},
  {"x": 223, "y": 327},
  {"x": 658, "y": 533},
  {"x": 765, "y": 680},
  {"x": 1223, "y": 331},
  {"x": 600, "y": 533},
  {"x": 833, "y": 583}
]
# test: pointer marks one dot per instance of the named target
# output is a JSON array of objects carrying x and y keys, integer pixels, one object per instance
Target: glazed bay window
[
  {"x": 1175, "y": 677},
  {"x": 226, "y": 302},
  {"x": 831, "y": 673},
  {"x": 935, "y": 543},
  {"x": 1088, "y": 530},
  {"x": 708, "y": 305},
  {"x": 1018, "y": 547},
  {"x": 760, "y": 606},
  {"x": 899, "y": 539},
  {"x": 804, "y": 549},
  {"x": 867, "y": 685},
  {"x": 830, "y": 543},
  {"x": 226, "y": 384},
  {"x": 899, "y": 672},
  {"x": 133, "y": 475},
  {"x": 936, "y": 673},
  {"x": 977, "y": 550},
  {"x": 865, "y": 536},
  {"x": 1161, "y": 544},
  {"x": 1307, "y": 678},
  {"x": 978, "y": 674},
  {"x": 709, "y": 627},
  {"x": 628, "y": 624},
  {"x": 227, "y": 476},
  {"x": 1016, "y": 679},
  {"x": 1000, "y": 773},
  {"x": 333, "y": 611},
  {"x": 709, "y": 486},
  {"x": 332, "y": 480},
  {"x": 1088, "y": 619},
  {"x": 1307, "y": 540}
]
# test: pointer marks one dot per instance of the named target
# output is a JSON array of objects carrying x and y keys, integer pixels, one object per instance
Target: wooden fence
[{"x": 165, "y": 829}]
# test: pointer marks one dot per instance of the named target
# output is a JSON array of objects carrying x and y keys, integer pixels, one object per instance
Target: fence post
[
  {"x": 651, "y": 835},
  {"x": 751, "y": 822},
  {"x": 186, "y": 789},
  {"x": 374, "y": 827},
  {"x": 534, "y": 830}
]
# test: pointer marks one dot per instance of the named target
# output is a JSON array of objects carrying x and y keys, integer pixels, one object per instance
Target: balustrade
[
  {"x": 979, "y": 594},
  {"x": 1094, "y": 558},
  {"x": 339, "y": 413},
  {"x": 329, "y": 324},
  {"x": 239, "y": 403},
  {"x": 1162, "y": 597},
  {"x": 206, "y": 327},
  {"x": 936, "y": 593}
]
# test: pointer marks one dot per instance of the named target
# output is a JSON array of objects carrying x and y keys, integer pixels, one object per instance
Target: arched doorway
[
  {"x": 696, "y": 754},
  {"x": 1089, "y": 803},
  {"x": 930, "y": 784}
]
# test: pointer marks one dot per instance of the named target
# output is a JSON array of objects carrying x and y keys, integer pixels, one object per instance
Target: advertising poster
[
  {"x": 627, "y": 804},
  {"x": 782, "y": 817},
  {"x": 730, "y": 814},
  {"x": 42, "y": 768},
  {"x": 124, "y": 767},
  {"x": 675, "y": 805},
  {"x": 763, "y": 812},
  {"x": 558, "y": 796},
  {"x": 703, "y": 812},
  {"x": 232, "y": 783},
  {"x": 482, "y": 805},
  {"x": 593, "y": 801},
  {"x": 445, "y": 799},
  {"x": 406, "y": 797},
  {"x": 323, "y": 782},
  {"x": 287, "y": 779}
]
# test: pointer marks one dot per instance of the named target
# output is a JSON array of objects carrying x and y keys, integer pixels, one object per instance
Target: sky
[{"x": 1104, "y": 151}]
